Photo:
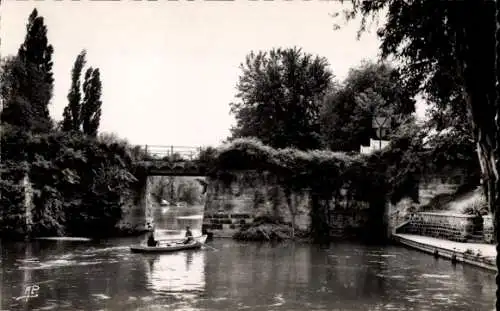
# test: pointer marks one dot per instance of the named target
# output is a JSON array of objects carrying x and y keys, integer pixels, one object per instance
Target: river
[{"x": 230, "y": 275}]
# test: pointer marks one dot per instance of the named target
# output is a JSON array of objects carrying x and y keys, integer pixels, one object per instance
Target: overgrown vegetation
[
  {"x": 79, "y": 182},
  {"x": 477, "y": 207},
  {"x": 454, "y": 67},
  {"x": 344, "y": 113},
  {"x": 370, "y": 90},
  {"x": 269, "y": 229},
  {"x": 390, "y": 174},
  {"x": 288, "y": 100},
  {"x": 279, "y": 98},
  {"x": 322, "y": 173}
]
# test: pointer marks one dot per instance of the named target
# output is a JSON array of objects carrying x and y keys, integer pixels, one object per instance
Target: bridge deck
[
  {"x": 172, "y": 160},
  {"x": 173, "y": 152}
]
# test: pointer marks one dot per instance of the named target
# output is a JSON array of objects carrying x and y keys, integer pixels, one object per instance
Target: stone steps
[{"x": 223, "y": 224}]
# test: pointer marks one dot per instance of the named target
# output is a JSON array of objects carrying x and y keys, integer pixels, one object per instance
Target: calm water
[{"x": 229, "y": 275}]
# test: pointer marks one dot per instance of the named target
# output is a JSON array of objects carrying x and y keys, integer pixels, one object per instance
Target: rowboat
[{"x": 169, "y": 245}]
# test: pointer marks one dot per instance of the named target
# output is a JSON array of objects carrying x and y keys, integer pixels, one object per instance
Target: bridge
[
  {"x": 157, "y": 160},
  {"x": 179, "y": 153},
  {"x": 172, "y": 160}
]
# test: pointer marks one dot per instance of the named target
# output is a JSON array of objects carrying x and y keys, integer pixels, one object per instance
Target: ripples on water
[
  {"x": 238, "y": 276},
  {"x": 228, "y": 275}
]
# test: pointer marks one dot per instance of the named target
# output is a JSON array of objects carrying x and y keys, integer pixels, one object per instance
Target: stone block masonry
[
  {"x": 434, "y": 191},
  {"x": 28, "y": 202},
  {"x": 223, "y": 224},
  {"x": 459, "y": 228},
  {"x": 229, "y": 207},
  {"x": 347, "y": 223},
  {"x": 488, "y": 229},
  {"x": 137, "y": 211}
]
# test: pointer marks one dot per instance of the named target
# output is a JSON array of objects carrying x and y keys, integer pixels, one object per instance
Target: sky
[{"x": 169, "y": 68}]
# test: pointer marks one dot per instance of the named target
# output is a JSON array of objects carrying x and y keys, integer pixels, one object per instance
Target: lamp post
[{"x": 380, "y": 123}]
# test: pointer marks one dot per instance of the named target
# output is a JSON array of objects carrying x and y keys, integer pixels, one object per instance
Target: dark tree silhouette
[
  {"x": 36, "y": 55},
  {"x": 369, "y": 90},
  {"x": 450, "y": 45},
  {"x": 279, "y": 96},
  {"x": 91, "y": 106},
  {"x": 72, "y": 120}
]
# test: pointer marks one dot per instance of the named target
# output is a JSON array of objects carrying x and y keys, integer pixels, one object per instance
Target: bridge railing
[{"x": 175, "y": 153}]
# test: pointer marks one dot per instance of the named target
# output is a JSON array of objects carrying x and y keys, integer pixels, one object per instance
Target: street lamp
[{"x": 380, "y": 123}]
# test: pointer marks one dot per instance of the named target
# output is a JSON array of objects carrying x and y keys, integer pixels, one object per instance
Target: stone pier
[
  {"x": 137, "y": 210},
  {"x": 28, "y": 203}
]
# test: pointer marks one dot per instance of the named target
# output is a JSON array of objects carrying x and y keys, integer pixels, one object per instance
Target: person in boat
[
  {"x": 189, "y": 236},
  {"x": 151, "y": 240}
]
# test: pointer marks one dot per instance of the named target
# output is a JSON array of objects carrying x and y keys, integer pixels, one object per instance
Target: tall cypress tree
[
  {"x": 91, "y": 106},
  {"x": 72, "y": 120},
  {"x": 35, "y": 53}
]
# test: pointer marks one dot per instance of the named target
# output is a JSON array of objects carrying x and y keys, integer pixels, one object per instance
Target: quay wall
[
  {"x": 230, "y": 207},
  {"x": 459, "y": 228}
]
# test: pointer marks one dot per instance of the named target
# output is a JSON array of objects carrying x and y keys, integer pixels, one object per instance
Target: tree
[
  {"x": 17, "y": 109},
  {"x": 279, "y": 96},
  {"x": 176, "y": 189},
  {"x": 72, "y": 120},
  {"x": 439, "y": 39},
  {"x": 36, "y": 55},
  {"x": 91, "y": 106},
  {"x": 368, "y": 91},
  {"x": 189, "y": 191},
  {"x": 159, "y": 188}
]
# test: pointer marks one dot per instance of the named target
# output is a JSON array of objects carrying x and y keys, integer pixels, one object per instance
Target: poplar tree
[
  {"x": 72, "y": 120},
  {"x": 35, "y": 53},
  {"x": 91, "y": 105}
]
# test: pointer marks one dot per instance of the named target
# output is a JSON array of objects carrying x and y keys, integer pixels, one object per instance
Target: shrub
[{"x": 478, "y": 206}]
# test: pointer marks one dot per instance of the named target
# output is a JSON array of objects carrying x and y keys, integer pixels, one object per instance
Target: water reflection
[
  {"x": 182, "y": 272},
  {"x": 172, "y": 223},
  {"x": 232, "y": 276},
  {"x": 340, "y": 277},
  {"x": 177, "y": 218},
  {"x": 227, "y": 275}
]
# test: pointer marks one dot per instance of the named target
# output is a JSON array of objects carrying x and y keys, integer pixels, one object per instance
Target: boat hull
[{"x": 169, "y": 246}]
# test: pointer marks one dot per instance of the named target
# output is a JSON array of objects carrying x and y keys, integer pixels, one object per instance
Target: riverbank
[{"x": 476, "y": 254}]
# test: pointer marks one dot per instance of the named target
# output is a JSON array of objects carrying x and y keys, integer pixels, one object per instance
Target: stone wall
[
  {"x": 429, "y": 188},
  {"x": 137, "y": 212},
  {"x": 460, "y": 228},
  {"x": 228, "y": 207},
  {"x": 28, "y": 202},
  {"x": 224, "y": 224},
  {"x": 348, "y": 223},
  {"x": 399, "y": 214},
  {"x": 439, "y": 184},
  {"x": 488, "y": 229},
  {"x": 406, "y": 216}
]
